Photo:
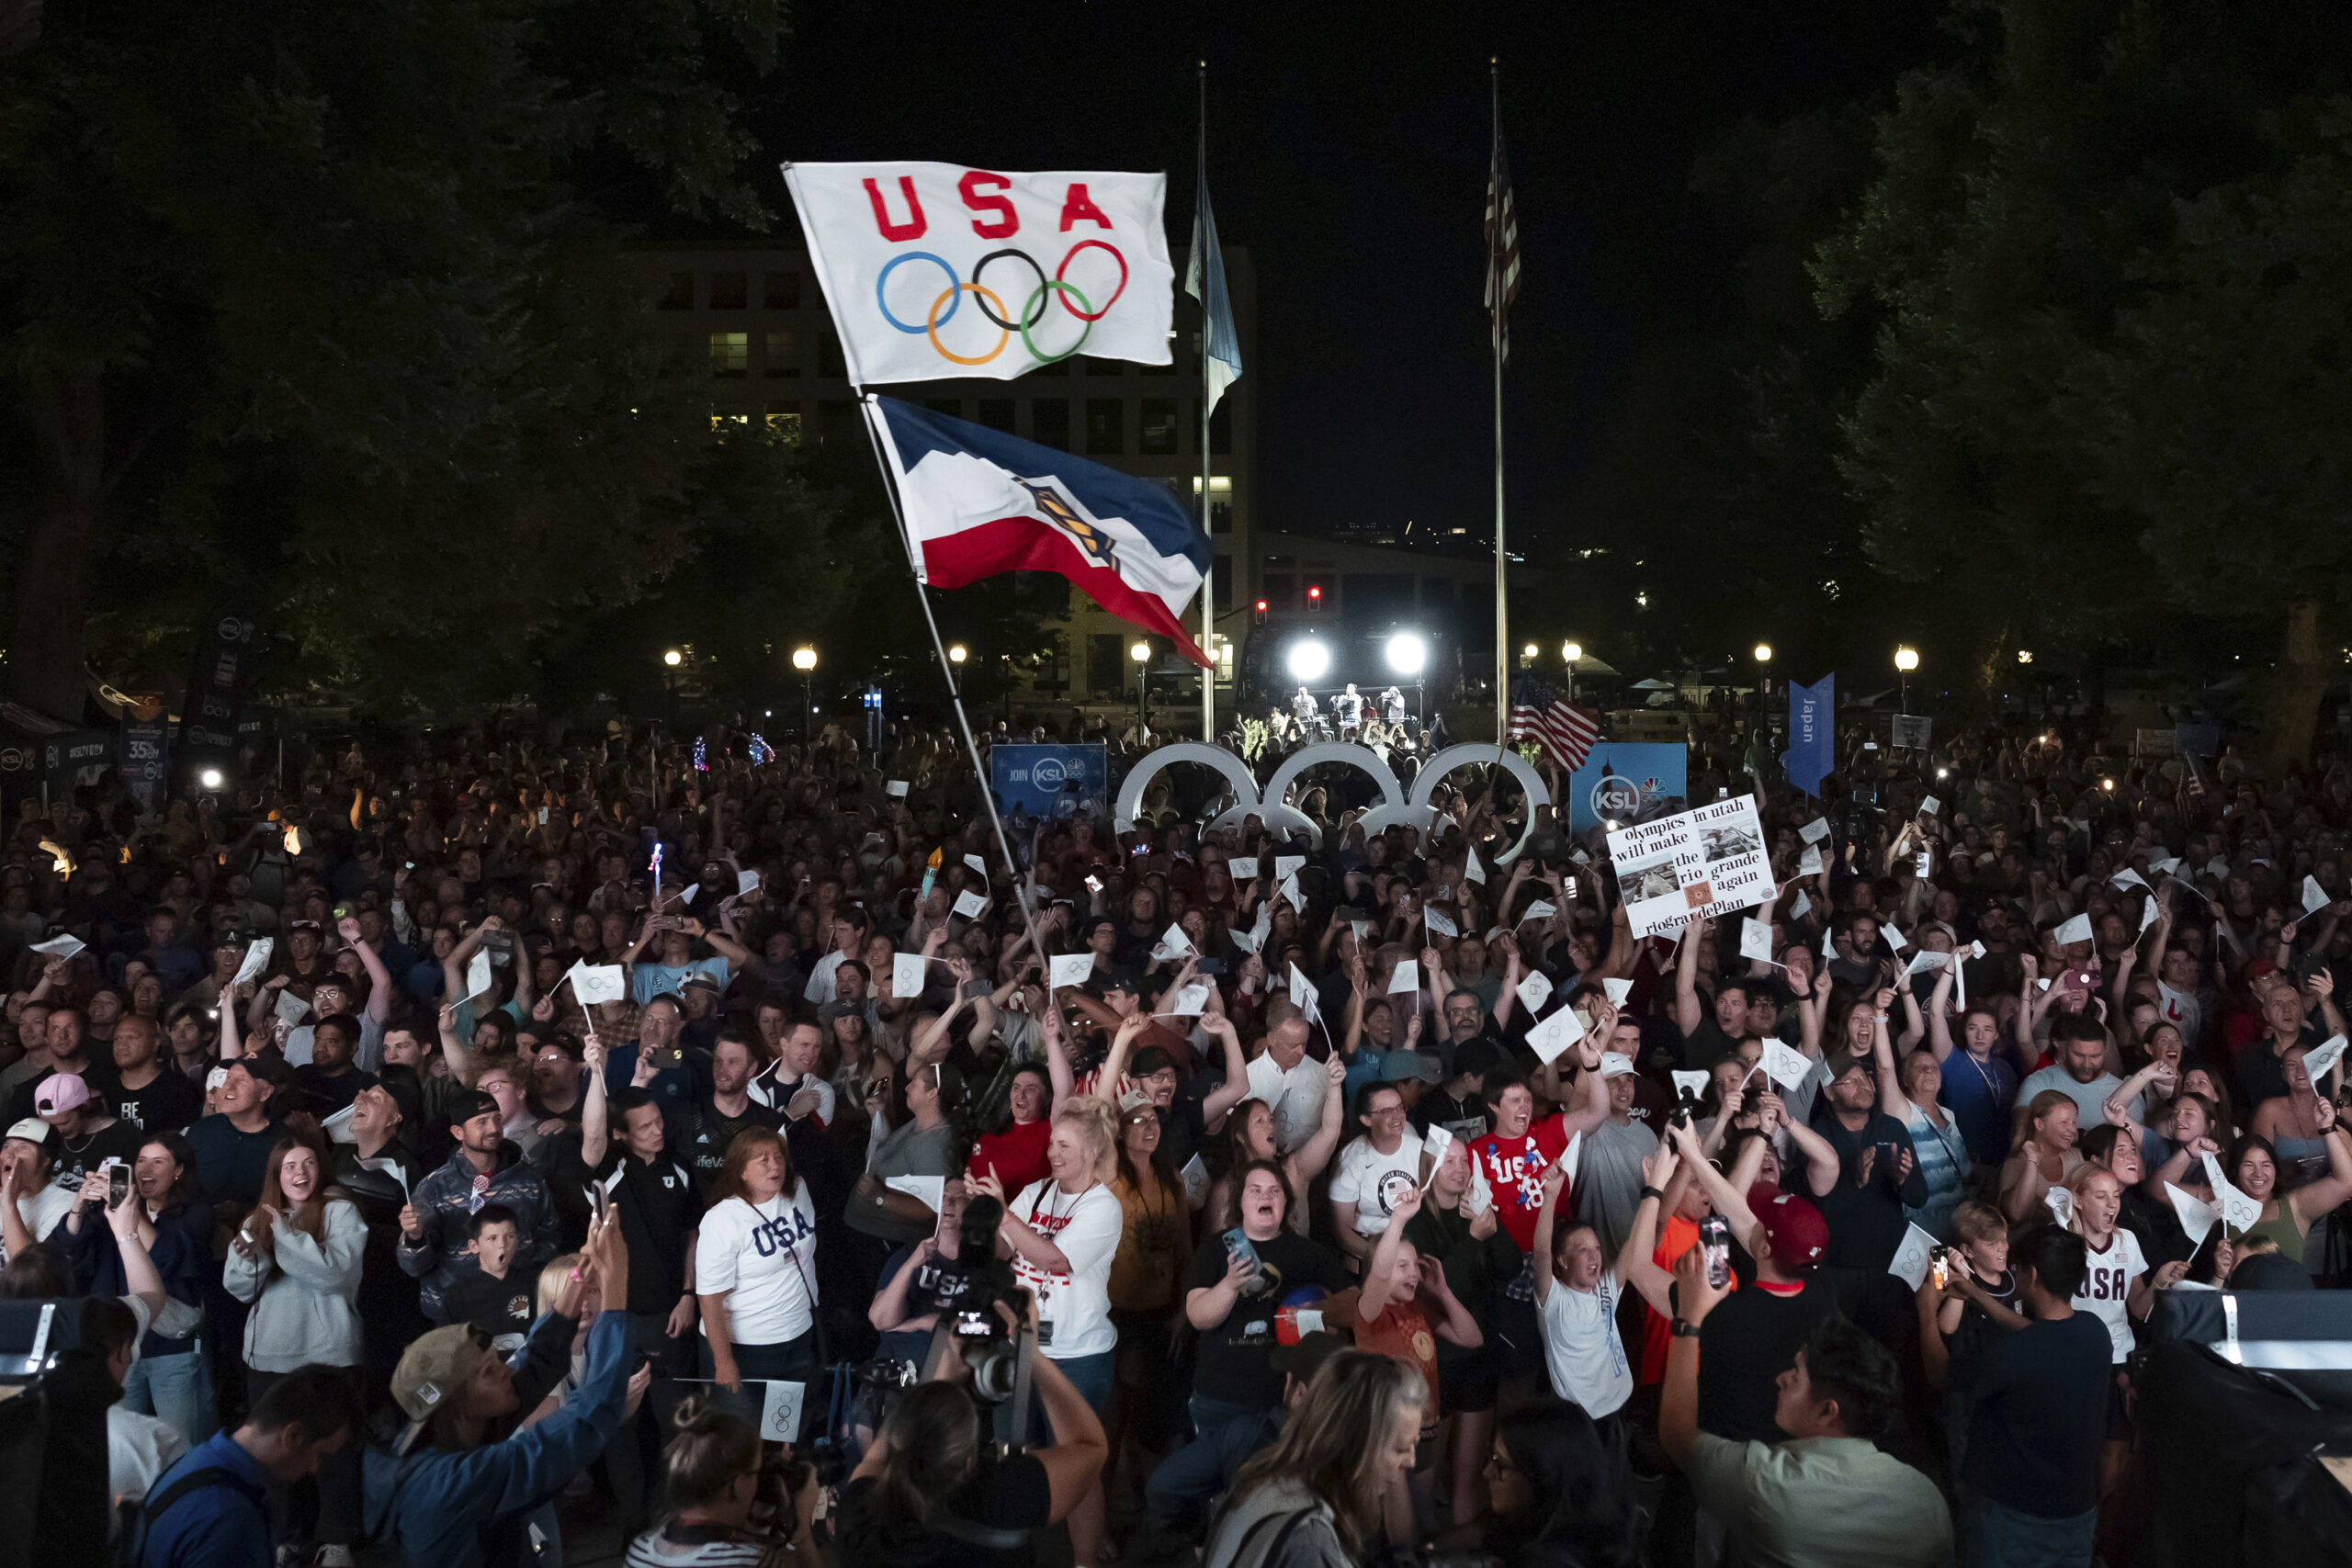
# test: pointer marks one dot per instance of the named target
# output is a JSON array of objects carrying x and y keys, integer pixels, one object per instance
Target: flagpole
[
  {"x": 1495, "y": 331},
  {"x": 947, "y": 667},
  {"x": 1208, "y": 577}
]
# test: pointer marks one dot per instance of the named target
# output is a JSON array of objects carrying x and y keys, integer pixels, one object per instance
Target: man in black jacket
[{"x": 483, "y": 1169}]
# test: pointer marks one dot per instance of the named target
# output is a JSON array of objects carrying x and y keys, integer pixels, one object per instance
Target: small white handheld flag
[
  {"x": 1555, "y": 1034},
  {"x": 1535, "y": 991},
  {"x": 968, "y": 903},
  {"x": 1072, "y": 969},
  {"x": 1755, "y": 940},
  {"x": 906, "y": 974},
  {"x": 595, "y": 983}
]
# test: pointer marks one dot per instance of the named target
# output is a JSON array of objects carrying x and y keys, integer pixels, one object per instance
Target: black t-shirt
[
  {"x": 1866, "y": 1224},
  {"x": 1463, "y": 1115},
  {"x": 169, "y": 1104},
  {"x": 1707, "y": 1044},
  {"x": 1233, "y": 1363},
  {"x": 2040, "y": 1417},
  {"x": 324, "y": 1094},
  {"x": 1744, "y": 1346},
  {"x": 1010, "y": 1494},
  {"x": 660, "y": 1204},
  {"x": 78, "y": 1157},
  {"x": 496, "y": 1306},
  {"x": 698, "y": 1135}
]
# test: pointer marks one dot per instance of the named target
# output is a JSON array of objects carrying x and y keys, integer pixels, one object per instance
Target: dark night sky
[{"x": 1348, "y": 149}]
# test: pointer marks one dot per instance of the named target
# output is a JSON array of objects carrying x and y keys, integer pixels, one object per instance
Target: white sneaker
[{"x": 332, "y": 1557}]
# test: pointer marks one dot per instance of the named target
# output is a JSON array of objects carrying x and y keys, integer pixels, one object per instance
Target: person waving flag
[{"x": 979, "y": 502}]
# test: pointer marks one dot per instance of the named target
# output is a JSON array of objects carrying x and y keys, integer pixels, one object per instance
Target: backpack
[{"x": 135, "y": 1522}]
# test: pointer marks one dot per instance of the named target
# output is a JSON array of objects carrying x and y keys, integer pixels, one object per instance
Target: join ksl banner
[
  {"x": 935, "y": 270},
  {"x": 1813, "y": 734}
]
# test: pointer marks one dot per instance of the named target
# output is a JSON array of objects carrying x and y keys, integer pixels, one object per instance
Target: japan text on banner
[
  {"x": 934, "y": 270},
  {"x": 1692, "y": 866},
  {"x": 978, "y": 502},
  {"x": 1813, "y": 730}
]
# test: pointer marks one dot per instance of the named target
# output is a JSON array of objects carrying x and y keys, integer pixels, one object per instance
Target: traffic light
[
  {"x": 1261, "y": 612},
  {"x": 1313, "y": 597}
]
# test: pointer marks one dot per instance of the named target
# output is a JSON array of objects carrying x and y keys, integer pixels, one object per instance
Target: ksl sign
[{"x": 1397, "y": 807}]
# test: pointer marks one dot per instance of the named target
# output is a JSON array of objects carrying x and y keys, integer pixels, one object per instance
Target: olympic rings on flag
[
  {"x": 1032, "y": 311},
  {"x": 982, "y": 265},
  {"x": 956, "y": 292},
  {"x": 1081, "y": 298},
  {"x": 883, "y": 281},
  {"x": 1088, "y": 331}
]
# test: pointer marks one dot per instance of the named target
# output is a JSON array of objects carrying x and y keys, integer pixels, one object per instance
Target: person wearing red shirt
[
  {"x": 1513, "y": 1159},
  {"x": 1017, "y": 1151}
]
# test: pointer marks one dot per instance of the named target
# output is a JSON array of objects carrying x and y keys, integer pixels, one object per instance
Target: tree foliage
[
  {"x": 330, "y": 309},
  {"x": 2105, "y": 242}
]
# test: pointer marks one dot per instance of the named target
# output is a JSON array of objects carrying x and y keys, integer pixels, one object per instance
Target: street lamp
[
  {"x": 674, "y": 659},
  {"x": 1569, "y": 653},
  {"x": 1527, "y": 657},
  {"x": 1141, "y": 651},
  {"x": 209, "y": 778},
  {"x": 1905, "y": 660},
  {"x": 1763, "y": 671},
  {"x": 958, "y": 654},
  {"x": 804, "y": 658},
  {"x": 2024, "y": 656}
]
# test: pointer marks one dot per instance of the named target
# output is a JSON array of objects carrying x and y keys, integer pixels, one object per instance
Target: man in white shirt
[
  {"x": 1285, "y": 1079},
  {"x": 1579, "y": 1291},
  {"x": 849, "y": 936},
  {"x": 1373, "y": 1169}
]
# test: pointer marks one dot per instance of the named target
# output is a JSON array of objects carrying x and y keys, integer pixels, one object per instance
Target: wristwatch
[
  {"x": 1683, "y": 1328},
  {"x": 1649, "y": 1191}
]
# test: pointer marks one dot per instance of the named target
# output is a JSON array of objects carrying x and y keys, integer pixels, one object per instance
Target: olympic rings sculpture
[
  {"x": 1032, "y": 310},
  {"x": 1397, "y": 807}
]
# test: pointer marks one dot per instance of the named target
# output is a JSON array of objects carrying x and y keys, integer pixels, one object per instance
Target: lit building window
[{"x": 730, "y": 353}]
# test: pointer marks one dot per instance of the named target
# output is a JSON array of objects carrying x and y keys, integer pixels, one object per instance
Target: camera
[{"x": 966, "y": 1293}]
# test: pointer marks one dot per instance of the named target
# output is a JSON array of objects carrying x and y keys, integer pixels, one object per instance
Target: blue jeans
[
  {"x": 1093, "y": 1376},
  {"x": 177, "y": 1389},
  {"x": 1992, "y": 1536},
  {"x": 1208, "y": 1415}
]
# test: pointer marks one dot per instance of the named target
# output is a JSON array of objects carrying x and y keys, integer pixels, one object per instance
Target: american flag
[
  {"x": 1502, "y": 244},
  {"x": 1564, "y": 730}
]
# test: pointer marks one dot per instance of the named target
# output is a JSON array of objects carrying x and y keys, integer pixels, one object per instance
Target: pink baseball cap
[{"x": 60, "y": 1092}]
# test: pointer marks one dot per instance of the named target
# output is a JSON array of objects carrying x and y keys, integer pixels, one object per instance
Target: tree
[
  {"x": 2095, "y": 236},
  {"x": 311, "y": 304}
]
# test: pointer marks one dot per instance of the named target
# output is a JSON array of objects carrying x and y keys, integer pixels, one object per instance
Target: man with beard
[
  {"x": 701, "y": 1129},
  {"x": 328, "y": 1080},
  {"x": 483, "y": 1169}
]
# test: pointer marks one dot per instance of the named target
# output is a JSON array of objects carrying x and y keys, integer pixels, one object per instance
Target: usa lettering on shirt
[{"x": 782, "y": 1235}]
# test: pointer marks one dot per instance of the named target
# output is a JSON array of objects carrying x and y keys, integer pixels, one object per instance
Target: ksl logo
[{"x": 1272, "y": 806}]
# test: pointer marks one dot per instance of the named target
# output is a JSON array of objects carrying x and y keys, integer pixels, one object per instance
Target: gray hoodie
[
  {"x": 1246, "y": 1534},
  {"x": 306, "y": 1301}
]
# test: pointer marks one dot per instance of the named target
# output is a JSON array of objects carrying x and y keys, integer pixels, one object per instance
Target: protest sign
[
  {"x": 1913, "y": 730},
  {"x": 1692, "y": 866}
]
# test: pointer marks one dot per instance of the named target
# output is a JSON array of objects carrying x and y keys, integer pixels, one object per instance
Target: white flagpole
[
  {"x": 1495, "y": 331},
  {"x": 1208, "y": 577}
]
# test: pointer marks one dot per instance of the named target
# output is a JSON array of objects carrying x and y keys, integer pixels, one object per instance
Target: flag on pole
[
  {"x": 1566, "y": 731},
  {"x": 1204, "y": 281},
  {"x": 1502, "y": 244},
  {"x": 978, "y": 502},
  {"x": 935, "y": 270}
]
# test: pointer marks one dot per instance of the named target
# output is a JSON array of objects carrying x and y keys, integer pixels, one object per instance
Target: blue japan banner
[{"x": 1813, "y": 734}]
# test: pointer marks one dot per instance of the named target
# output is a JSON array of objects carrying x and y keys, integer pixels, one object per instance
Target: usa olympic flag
[
  {"x": 979, "y": 502},
  {"x": 934, "y": 269}
]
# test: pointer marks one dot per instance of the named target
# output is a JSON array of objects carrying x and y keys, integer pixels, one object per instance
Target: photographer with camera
[
  {"x": 726, "y": 1508},
  {"x": 932, "y": 1492},
  {"x": 1064, "y": 1232}
]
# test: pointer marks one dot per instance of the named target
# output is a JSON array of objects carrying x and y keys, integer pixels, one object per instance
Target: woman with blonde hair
[
  {"x": 2045, "y": 1155},
  {"x": 1315, "y": 1498},
  {"x": 1063, "y": 1233},
  {"x": 298, "y": 1261}
]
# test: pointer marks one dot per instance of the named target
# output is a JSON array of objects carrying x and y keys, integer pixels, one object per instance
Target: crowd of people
[{"x": 451, "y": 1143}]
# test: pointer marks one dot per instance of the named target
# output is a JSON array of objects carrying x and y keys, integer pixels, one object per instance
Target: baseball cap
[
  {"x": 302, "y": 926},
  {"x": 60, "y": 1092},
  {"x": 1118, "y": 980},
  {"x": 1793, "y": 1226},
  {"x": 229, "y": 940},
  {"x": 1406, "y": 1066},
  {"x": 464, "y": 1107},
  {"x": 1304, "y": 1359},
  {"x": 32, "y": 1130},
  {"x": 699, "y": 982},
  {"x": 432, "y": 1370}
]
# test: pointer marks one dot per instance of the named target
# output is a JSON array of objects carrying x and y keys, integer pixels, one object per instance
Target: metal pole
[
  {"x": 1495, "y": 335},
  {"x": 1209, "y": 584}
]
